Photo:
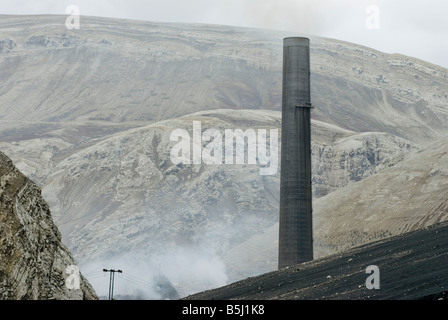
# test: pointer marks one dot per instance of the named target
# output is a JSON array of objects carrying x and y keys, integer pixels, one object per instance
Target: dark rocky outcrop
[
  {"x": 7, "y": 45},
  {"x": 33, "y": 260}
]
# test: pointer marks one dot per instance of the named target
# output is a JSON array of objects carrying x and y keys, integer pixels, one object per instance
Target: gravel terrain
[{"x": 411, "y": 266}]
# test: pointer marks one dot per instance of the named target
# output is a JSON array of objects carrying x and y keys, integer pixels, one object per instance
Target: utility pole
[{"x": 111, "y": 281}]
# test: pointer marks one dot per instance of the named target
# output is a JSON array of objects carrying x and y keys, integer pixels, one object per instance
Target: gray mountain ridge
[{"x": 87, "y": 115}]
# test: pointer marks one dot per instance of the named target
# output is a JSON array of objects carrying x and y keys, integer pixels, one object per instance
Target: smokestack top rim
[{"x": 296, "y": 41}]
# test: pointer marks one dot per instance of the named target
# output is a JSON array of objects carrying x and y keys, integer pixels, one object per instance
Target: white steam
[{"x": 171, "y": 275}]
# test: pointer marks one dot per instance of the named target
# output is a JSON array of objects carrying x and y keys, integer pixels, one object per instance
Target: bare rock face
[
  {"x": 341, "y": 157},
  {"x": 129, "y": 177},
  {"x": 33, "y": 260},
  {"x": 409, "y": 196}
]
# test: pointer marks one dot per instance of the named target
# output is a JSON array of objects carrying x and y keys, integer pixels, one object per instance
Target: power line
[
  {"x": 149, "y": 285},
  {"x": 111, "y": 281}
]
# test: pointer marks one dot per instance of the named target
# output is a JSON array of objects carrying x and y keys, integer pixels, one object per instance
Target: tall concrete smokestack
[{"x": 295, "y": 230}]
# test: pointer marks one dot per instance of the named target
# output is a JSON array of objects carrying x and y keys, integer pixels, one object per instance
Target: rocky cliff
[{"x": 34, "y": 263}]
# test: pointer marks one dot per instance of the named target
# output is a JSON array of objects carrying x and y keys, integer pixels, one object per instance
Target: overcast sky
[{"x": 412, "y": 27}]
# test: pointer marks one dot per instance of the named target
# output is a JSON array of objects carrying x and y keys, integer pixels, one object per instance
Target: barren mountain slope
[
  {"x": 123, "y": 71},
  {"x": 124, "y": 194},
  {"x": 410, "y": 195},
  {"x": 130, "y": 177}
]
